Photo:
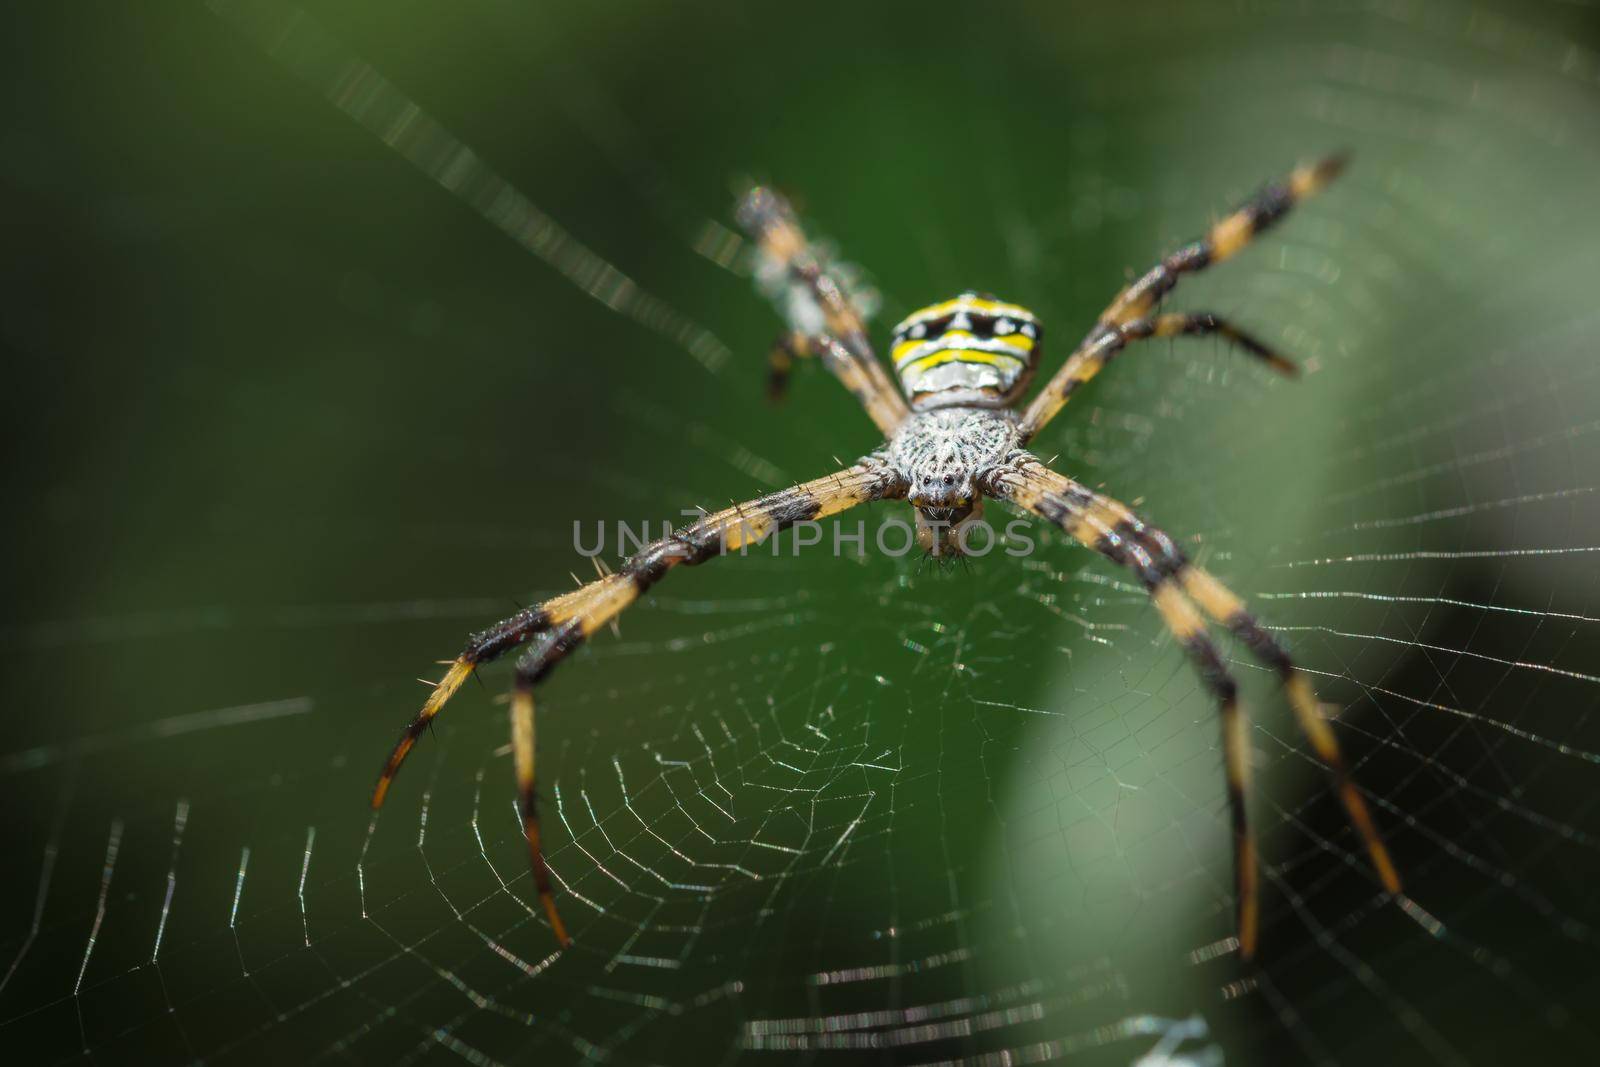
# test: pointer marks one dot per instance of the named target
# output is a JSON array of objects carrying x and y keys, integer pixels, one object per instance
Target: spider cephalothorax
[
  {"x": 943, "y": 456},
  {"x": 950, "y": 440}
]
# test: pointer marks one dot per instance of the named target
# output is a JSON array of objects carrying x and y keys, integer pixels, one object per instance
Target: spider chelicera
[{"x": 952, "y": 438}]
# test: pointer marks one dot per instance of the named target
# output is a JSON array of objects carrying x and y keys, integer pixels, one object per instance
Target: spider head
[
  {"x": 942, "y": 523},
  {"x": 970, "y": 351}
]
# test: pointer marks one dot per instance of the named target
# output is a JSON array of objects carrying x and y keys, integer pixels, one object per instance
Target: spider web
[{"x": 799, "y": 808}]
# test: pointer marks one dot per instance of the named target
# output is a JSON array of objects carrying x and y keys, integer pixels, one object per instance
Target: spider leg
[
  {"x": 559, "y": 626},
  {"x": 1106, "y": 341},
  {"x": 1225, "y": 238},
  {"x": 830, "y": 318},
  {"x": 1176, "y": 586},
  {"x": 460, "y": 670},
  {"x": 1225, "y": 607},
  {"x": 522, "y": 753},
  {"x": 884, "y": 408},
  {"x": 780, "y": 361},
  {"x": 1190, "y": 631}
]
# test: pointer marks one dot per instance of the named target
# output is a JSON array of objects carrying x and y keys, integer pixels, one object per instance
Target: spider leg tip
[
  {"x": 1311, "y": 178},
  {"x": 1388, "y": 875},
  {"x": 557, "y": 927},
  {"x": 1282, "y": 364}
]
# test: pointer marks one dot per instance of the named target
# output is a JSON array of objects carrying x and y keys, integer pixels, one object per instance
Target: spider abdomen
[{"x": 971, "y": 351}]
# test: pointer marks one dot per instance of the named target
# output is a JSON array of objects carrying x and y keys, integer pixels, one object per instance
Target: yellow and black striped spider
[{"x": 952, "y": 437}]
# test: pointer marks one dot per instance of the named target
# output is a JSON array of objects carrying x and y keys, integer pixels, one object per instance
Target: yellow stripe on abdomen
[{"x": 961, "y": 355}]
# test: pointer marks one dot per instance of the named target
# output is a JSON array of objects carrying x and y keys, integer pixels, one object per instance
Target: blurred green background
[{"x": 286, "y": 420}]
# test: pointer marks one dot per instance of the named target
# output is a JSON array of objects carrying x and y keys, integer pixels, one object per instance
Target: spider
[{"x": 952, "y": 437}]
